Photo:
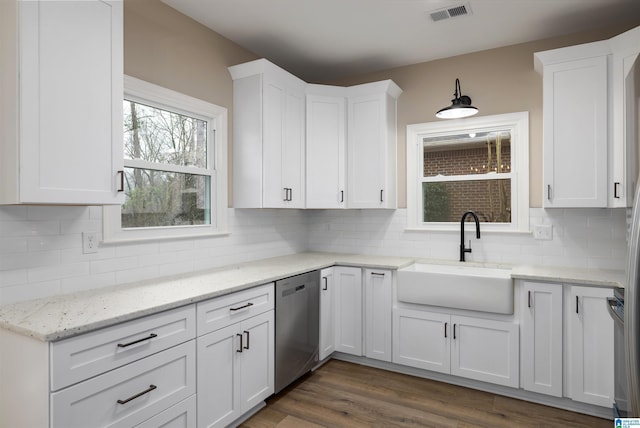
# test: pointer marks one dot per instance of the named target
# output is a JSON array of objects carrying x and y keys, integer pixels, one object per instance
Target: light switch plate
[{"x": 543, "y": 232}]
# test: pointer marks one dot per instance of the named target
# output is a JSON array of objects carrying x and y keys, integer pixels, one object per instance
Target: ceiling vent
[{"x": 450, "y": 12}]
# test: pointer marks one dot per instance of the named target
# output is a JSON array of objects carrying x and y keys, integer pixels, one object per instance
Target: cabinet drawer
[
  {"x": 220, "y": 312},
  {"x": 128, "y": 395},
  {"x": 81, "y": 357},
  {"x": 182, "y": 415}
]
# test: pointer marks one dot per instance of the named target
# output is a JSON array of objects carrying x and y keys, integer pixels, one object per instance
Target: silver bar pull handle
[{"x": 548, "y": 192}]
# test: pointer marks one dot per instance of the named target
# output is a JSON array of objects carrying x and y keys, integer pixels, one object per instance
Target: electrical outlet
[
  {"x": 89, "y": 242},
  {"x": 543, "y": 232}
]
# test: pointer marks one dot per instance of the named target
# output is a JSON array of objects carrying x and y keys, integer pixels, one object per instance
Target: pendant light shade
[{"x": 460, "y": 106}]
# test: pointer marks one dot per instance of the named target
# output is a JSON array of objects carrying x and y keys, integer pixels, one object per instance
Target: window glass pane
[
  {"x": 160, "y": 198},
  {"x": 476, "y": 153},
  {"x": 156, "y": 135},
  {"x": 447, "y": 201}
]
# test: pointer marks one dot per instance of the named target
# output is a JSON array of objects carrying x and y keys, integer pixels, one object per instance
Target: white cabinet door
[
  {"x": 256, "y": 360},
  {"x": 541, "y": 356},
  {"x": 269, "y": 136},
  {"x": 235, "y": 369},
  {"x": 326, "y": 135},
  {"x": 348, "y": 307},
  {"x": 421, "y": 339},
  {"x": 67, "y": 148},
  {"x": 626, "y": 93},
  {"x": 378, "y": 308},
  {"x": 371, "y": 145},
  {"x": 218, "y": 368},
  {"x": 485, "y": 350},
  {"x": 327, "y": 313},
  {"x": 590, "y": 338},
  {"x": 576, "y": 134}
]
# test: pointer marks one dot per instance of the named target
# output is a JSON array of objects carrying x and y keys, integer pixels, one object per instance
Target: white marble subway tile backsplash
[{"x": 41, "y": 246}]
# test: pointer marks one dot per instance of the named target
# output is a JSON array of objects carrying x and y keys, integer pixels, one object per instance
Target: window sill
[
  {"x": 140, "y": 240},
  {"x": 469, "y": 227}
]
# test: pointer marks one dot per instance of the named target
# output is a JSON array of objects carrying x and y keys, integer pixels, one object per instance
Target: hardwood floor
[{"x": 342, "y": 394}]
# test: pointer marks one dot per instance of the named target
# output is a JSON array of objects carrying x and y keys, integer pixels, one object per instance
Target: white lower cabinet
[
  {"x": 475, "y": 348},
  {"x": 589, "y": 345},
  {"x": 348, "y": 310},
  {"x": 541, "y": 361},
  {"x": 378, "y": 302},
  {"x": 236, "y": 362},
  {"x": 182, "y": 415},
  {"x": 327, "y": 313},
  {"x": 130, "y": 394}
]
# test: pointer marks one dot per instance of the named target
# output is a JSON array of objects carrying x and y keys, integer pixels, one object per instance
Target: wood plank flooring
[{"x": 342, "y": 394}]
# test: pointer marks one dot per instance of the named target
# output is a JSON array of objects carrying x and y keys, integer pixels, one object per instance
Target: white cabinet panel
[
  {"x": 182, "y": 415},
  {"x": 474, "y": 348},
  {"x": 348, "y": 307},
  {"x": 68, "y": 141},
  {"x": 421, "y": 339},
  {"x": 88, "y": 355},
  {"x": 130, "y": 394},
  {"x": 235, "y": 369},
  {"x": 378, "y": 308},
  {"x": 327, "y": 313},
  {"x": 590, "y": 345},
  {"x": 326, "y": 149},
  {"x": 576, "y": 133},
  {"x": 269, "y": 136},
  {"x": 542, "y": 338},
  {"x": 485, "y": 350},
  {"x": 371, "y": 145}
]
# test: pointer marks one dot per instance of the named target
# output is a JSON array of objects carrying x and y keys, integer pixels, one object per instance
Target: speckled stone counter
[
  {"x": 58, "y": 317},
  {"x": 62, "y": 316},
  {"x": 582, "y": 276}
]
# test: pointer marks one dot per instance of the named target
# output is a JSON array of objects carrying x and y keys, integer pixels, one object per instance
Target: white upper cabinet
[
  {"x": 326, "y": 146},
  {"x": 61, "y": 71},
  {"x": 626, "y": 95},
  {"x": 576, "y": 131},
  {"x": 268, "y": 136},
  {"x": 590, "y": 122},
  {"x": 371, "y": 145}
]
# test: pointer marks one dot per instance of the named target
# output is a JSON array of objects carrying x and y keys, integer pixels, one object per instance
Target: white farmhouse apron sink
[{"x": 459, "y": 286}]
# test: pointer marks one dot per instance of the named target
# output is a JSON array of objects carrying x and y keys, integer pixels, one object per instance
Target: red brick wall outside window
[{"x": 446, "y": 201}]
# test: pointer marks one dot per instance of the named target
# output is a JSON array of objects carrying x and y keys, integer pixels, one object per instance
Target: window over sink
[
  {"x": 174, "y": 179},
  {"x": 479, "y": 164}
]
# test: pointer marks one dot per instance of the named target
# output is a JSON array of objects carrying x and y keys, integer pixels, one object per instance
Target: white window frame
[
  {"x": 517, "y": 123},
  {"x": 216, "y": 117}
]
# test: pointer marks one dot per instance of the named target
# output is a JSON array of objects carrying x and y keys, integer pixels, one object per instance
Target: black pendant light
[{"x": 460, "y": 106}]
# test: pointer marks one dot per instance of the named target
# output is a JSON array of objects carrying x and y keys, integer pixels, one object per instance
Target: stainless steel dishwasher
[{"x": 297, "y": 327}]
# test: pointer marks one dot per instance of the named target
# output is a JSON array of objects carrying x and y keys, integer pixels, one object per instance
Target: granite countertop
[
  {"x": 58, "y": 317},
  {"x": 62, "y": 316}
]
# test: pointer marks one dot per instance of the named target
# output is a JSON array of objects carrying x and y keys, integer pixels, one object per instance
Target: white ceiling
[{"x": 321, "y": 40}]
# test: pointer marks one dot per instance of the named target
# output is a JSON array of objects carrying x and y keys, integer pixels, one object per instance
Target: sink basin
[{"x": 459, "y": 286}]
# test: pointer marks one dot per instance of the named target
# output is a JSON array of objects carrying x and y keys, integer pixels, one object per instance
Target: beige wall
[
  {"x": 498, "y": 81},
  {"x": 164, "y": 47}
]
